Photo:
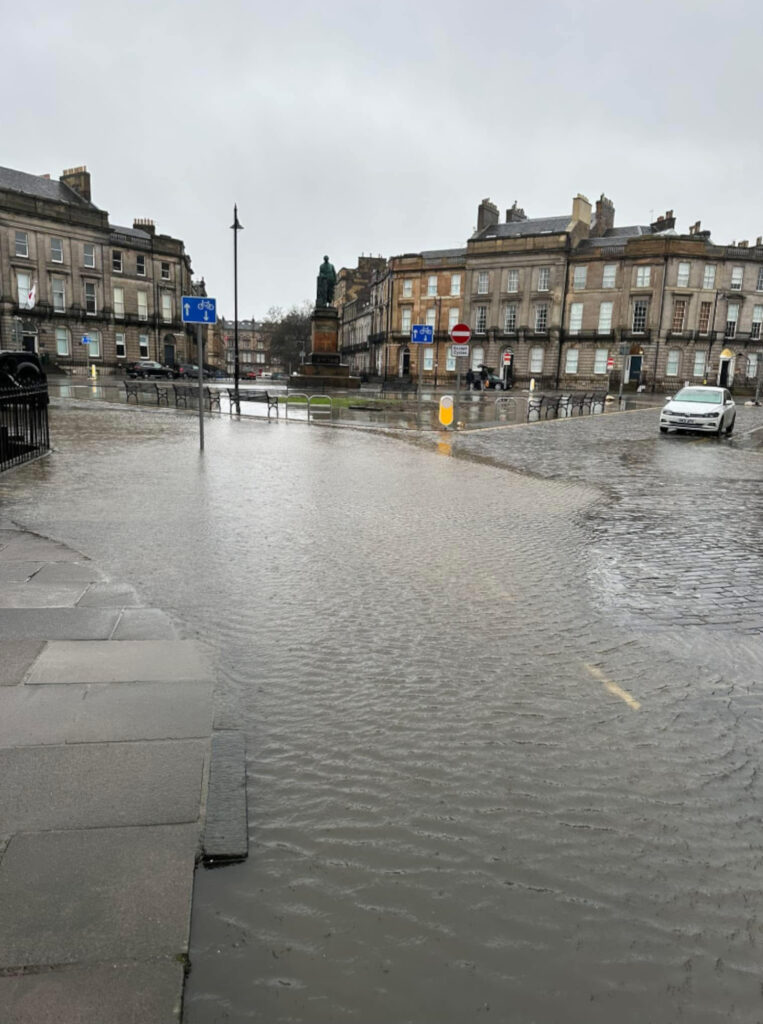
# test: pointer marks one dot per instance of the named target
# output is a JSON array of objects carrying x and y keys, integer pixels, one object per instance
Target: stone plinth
[{"x": 323, "y": 369}]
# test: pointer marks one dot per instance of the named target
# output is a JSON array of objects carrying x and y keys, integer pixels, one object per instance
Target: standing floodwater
[{"x": 456, "y": 813}]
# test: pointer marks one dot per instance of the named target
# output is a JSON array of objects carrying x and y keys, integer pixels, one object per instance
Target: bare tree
[{"x": 289, "y": 334}]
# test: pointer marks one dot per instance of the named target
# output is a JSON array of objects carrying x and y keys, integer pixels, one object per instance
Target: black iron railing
[{"x": 24, "y": 433}]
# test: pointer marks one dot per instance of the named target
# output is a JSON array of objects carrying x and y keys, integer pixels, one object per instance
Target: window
[
  {"x": 679, "y": 312},
  {"x": 407, "y": 288},
  {"x": 455, "y": 284},
  {"x": 88, "y": 258},
  {"x": 732, "y": 316},
  {"x": 759, "y": 286},
  {"x": 643, "y": 277},
  {"x": 59, "y": 294},
  {"x": 22, "y": 243},
  {"x": 405, "y": 320},
  {"x": 119, "y": 302},
  {"x": 450, "y": 361},
  {"x": 708, "y": 279},
  {"x": 432, "y": 317},
  {"x": 94, "y": 337},
  {"x": 576, "y": 317},
  {"x": 24, "y": 284},
  {"x": 640, "y": 308},
  {"x": 544, "y": 276},
  {"x": 752, "y": 364},
  {"x": 737, "y": 277},
  {"x": 757, "y": 319},
  {"x": 510, "y": 318},
  {"x": 62, "y": 341},
  {"x": 91, "y": 306},
  {"x": 512, "y": 281},
  {"x": 536, "y": 360},
  {"x": 704, "y": 317},
  {"x": 478, "y": 356},
  {"x": 56, "y": 250},
  {"x": 682, "y": 278},
  {"x": 601, "y": 355},
  {"x": 143, "y": 346},
  {"x": 428, "y": 357},
  {"x": 579, "y": 278},
  {"x": 571, "y": 362},
  {"x": 143, "y": 305},
  {"x": 671, "y": 367},
  {"x": 165, "y": 271},
  {"x": 480, "y": 319},
  {"x": 483, "y": 282},
  {"x": 699, "y": 364},
  {"x": 609, "y": 275},
  {"x": 116, "y": 261},
  {"x": 121, "y": 345},
  {"x": 166, "y": 307},
  {"x": 140, "y": 266},
  {"x": 605, "y": 317},
  {"x": 432, "y": 284},
  {"x": 541, "y": 318},
  {"x": 452, "y": 317}
]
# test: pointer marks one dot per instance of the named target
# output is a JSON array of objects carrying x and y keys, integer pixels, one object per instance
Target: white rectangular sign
[{"x": 459, "y": 350}]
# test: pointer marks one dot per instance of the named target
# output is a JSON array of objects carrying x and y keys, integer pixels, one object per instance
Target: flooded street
[{"x": 502, "y": 710}]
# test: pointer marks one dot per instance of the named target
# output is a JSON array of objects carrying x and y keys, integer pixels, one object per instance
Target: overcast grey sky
[{"x": 350, "y": 127}]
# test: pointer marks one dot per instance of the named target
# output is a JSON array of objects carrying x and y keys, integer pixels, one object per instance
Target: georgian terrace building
[
  {"x": 66, "y": 274},
  {"x": 559, "y": 298}
]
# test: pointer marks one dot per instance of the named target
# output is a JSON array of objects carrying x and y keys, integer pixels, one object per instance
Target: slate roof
[
  {"x": 40, "y": 188},
  {"x": 442, "y": 254},
  {"x": 131, "y": 232},
  {"x": 616, "y": 236},
  {"x": 520, "y": 228}
]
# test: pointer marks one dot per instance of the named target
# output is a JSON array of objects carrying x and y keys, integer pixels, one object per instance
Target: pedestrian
[
  {"x": 469, "y": 379},
  {"x": 484, "y": 377}
]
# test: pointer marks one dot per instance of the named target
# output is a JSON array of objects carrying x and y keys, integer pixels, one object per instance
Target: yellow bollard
[
  {"x": 93, "y": 371},
  {"x": 446, "y": 410},
  {"x": 532, "y": 383}
]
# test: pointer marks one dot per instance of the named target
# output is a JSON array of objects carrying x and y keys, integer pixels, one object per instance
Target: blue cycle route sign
[
  {"x": 198, "y": 309},
  {"x": 422, "y": 334}
]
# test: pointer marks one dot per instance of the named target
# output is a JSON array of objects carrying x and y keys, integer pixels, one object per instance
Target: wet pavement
[{"x": 502, "y": 709}]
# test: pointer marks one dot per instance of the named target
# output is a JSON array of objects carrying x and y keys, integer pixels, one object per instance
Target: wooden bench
[
  {"x": 132, "y": 390},
  {"x": 185, "y": 391},
  {"x": 162, "y": 394},
  {"x": 253, "y": 396}
]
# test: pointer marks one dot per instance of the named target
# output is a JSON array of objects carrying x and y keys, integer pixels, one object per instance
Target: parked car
[
  {"x": 493, "y": 382},
  {"x": 279, "y": 376},
  {"x": 702, "y": 409},
  {"x": 189, "y": 370},
  {"x": 20, "y": 369},
  {"x": 149, "y": 368},
  {"x": 249, "y": 375}
]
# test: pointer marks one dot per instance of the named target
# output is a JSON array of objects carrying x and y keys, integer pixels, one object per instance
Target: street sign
[
  {"x": 507, "y": 358},
  {"x": 459, "y": 350},
  {"x": 610, "y": 362},
  {"x": 422, "y": 334},
  {"x": 461, "y": 333},
  {"x": 198, "y": 309}
]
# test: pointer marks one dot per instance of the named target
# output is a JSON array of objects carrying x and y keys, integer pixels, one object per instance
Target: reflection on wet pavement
[{"x": 455, "y": 810}]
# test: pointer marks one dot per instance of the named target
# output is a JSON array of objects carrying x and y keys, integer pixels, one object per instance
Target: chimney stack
[
  {"x": 581, "y": 209},
  {"x": 515, "y": 214},
  {"x": 605, "y": 215},
  {"x": 664, "y": 222},
  {"x": 144, "y": 224},
  {"x": 78, "y": 179},
  {"x": 487, "y": 215}
]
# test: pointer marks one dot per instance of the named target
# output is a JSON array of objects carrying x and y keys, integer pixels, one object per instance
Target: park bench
[
  {"x": 185, "y": 391},
  {"x": 253, "y": 396},
  {"x": 534, "y": 407},
  {"x": 162, "y": 394},
  {"x": 132, "y": 390}
]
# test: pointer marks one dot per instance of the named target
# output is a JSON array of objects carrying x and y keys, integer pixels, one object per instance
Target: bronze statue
[{"x": 326, "y": 283}]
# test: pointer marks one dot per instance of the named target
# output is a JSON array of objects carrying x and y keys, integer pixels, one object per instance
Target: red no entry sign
[
  {"x": 610, "y": 363},
  {"x": 461, "y": 333}
]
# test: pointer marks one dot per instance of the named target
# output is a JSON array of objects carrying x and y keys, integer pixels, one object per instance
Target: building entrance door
[
  {"x": 633, "y": 370},
  {"x": 726, "y": 368},
  {"x": 405, "y": 362},
  {"x": 169, "y": 354},
  {"x": 29, "y": 342}
]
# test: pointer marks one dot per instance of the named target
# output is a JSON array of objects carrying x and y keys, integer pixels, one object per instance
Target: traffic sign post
[
  {"x": 199, "y": 310},
  {"x": 460, "y": 335},
  {"x": 421, "y": 334}
]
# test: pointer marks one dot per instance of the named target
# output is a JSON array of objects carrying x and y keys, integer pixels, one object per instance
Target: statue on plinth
[{"x": 326, "y": 283}]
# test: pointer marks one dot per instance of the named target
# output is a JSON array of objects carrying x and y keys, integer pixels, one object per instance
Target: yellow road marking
[{"x": 613, "y": 688}]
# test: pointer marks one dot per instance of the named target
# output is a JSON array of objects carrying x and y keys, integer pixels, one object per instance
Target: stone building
[
  {"x": 253, "y": 346},
  {"x": 572, "y": 301},
  {"x": 68, "y": 274}
]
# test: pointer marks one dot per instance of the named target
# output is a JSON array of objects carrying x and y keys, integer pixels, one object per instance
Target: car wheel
[
  {"x": 169, "y": 375},
  {"x": 663, "y": 430},
  {"x": 730, "y": 427},
  {"x": 719, "y": 431}
]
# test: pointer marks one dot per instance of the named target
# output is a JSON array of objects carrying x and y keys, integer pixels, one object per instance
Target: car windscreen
[{"x": 695, "y": 395}]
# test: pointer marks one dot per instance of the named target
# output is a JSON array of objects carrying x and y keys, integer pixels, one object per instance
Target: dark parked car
[
  {"x": 492, "y": 383},
  {"x": 20, "y": 369},
  {"x": 190, "y": 370},
  {"x": 149, "y": 368}
]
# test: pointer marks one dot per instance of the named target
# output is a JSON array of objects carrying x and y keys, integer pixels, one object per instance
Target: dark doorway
[
  {"x": 29, "y": 342},
  {"x": 724, "y": 378},
  {"x": 405, "y": 363},
  {"x": 169, "y": 354}
]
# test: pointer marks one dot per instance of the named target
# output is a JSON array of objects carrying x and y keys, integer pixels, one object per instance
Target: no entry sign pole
[{"x": 460, "y": 335}]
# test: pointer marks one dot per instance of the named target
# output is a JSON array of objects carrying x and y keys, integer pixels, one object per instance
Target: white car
[{"x": 706, "y": 410}]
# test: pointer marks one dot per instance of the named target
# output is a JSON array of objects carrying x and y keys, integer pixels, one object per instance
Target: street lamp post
[{"x": 235, "y": 228}]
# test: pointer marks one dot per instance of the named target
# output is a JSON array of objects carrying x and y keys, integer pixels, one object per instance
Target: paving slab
[
  {"x": 96, "y": 894},
  {"x": 41, "y": 595},
  {"x": 226, "y": 831},
  {"x": 95, "y": 785},
  {"x": 17, "y": 656},
  {"x": 15, "y": 545},
  {"x": 57, "y": 623},
  {"x": 69, "y": 572},
  {"x": 37, "y": 715},
  {"x": 18, "y": 572},
  {"x": 103, "y": 994},
  {"x": 109, "y": 595},
  {"x": 145, "y": 624},
  {"x": 127, "y": 661}
]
